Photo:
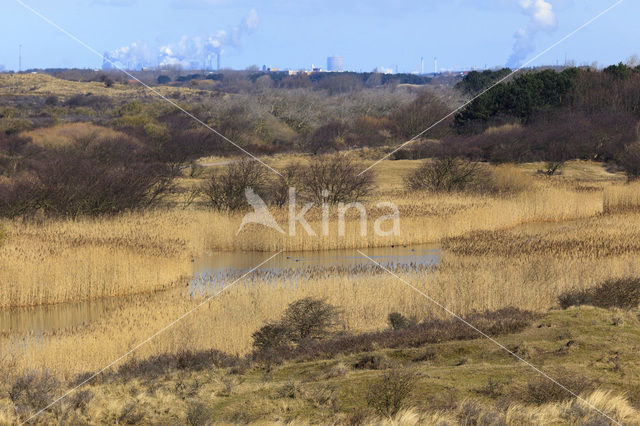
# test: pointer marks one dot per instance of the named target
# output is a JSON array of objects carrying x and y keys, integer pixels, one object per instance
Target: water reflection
[{"x": 211, "y": 273}]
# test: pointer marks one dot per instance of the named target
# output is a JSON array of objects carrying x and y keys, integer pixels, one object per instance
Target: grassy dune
[{"x": 453, "y": 382}]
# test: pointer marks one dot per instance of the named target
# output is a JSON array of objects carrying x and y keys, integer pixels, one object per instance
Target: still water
[{"x": 213, "y": 271}]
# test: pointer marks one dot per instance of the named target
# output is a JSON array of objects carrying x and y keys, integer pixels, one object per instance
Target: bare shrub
[
  {"x": 198, "y": 413},
  {"x": 19, "y": 196},
  {"x": 388, "y": 394},
  {"x": 372, "y": 362},
  {"x": 620, "y": 293},
  {"x": 541, "y": 390},
  {"x": 503, "y": 321},
  {"x": 630, "y": 161},
  {"x": 328, "y": 137},
  {"x": 79, "y": 399},
  {"x": 33, "y": 391},
  {"x": 339, "y": 176},
  {"x": 446, "y": 174},
  {"x": 310, "y": 318},
  {"x": 397, "y": 321},
  {"x": 87, "y": 176},
  {"x": 423, "y": 112},
  {"x": 337, "y": 370},
  {"x": 278, "y": 187},
  {"x": 270, "y": 336},
  {"x": 130, "y": 414},
  {"x": 78, "y": 183},
  {"x": 226, "y": 189}
]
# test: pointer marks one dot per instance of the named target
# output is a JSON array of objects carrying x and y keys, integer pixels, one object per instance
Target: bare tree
[
  {"x": 337, "y": 177},
  {"x": 226, "y": 189},
  {"x": 443, "y": 174}
]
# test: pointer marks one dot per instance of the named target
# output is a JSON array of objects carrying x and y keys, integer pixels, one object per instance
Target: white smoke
[
  {"x": 134, "y": 56},
  {"x": 188, "y": 52},
  {"x": 541, "y": 18}
]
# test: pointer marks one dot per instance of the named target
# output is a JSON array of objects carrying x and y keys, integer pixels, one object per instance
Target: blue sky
[{"x": 295, "y": 34}]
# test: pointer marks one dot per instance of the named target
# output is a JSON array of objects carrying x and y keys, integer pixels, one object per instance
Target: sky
[{"x": 296, "y": 34}]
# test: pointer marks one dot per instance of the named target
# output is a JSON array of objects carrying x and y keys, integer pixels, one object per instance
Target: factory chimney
[
  {"x": 422, "y": 66},
  {"x": 435, "y": 65},
  {"x": 218, "y": 61}
]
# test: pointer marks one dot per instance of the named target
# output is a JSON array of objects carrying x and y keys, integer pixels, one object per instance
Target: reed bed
[
  {"x": 622, "y": 198},
  {"x": 463, "y": 283},
  {"x": 73, "y": 260}
]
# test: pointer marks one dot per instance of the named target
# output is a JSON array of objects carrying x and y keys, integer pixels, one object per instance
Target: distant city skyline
[{"x": 462, "y": 34}]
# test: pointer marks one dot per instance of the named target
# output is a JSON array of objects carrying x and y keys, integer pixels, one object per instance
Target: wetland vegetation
[{"x": 108, "y": 197}]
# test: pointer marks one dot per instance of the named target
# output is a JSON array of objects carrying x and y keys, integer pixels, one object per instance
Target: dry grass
[
  {"x": 622, "y": 198},
  {"x": 464, "y": 284},
  {"x": 572, "y": 412},
  {"x": 63, "y": 261},
  {"x": 46, "y": 85},
  {"x": 66, "y": 134}
]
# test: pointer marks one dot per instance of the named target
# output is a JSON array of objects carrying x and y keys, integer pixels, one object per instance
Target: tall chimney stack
[{"x": 218, "y": 61}]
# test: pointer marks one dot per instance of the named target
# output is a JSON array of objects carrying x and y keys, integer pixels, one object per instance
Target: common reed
[
  {"x": 463, "y": 284},
  {"x": 56, "y": 261}
]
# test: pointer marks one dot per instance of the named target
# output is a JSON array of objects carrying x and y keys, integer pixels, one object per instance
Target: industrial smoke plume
[
  {"x": 188, "y": 52},
  {"x": 541, "y": 18}
]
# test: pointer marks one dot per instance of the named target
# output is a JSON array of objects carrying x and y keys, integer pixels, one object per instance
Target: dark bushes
[
  {"x": 541, "y": 390},
  {"x": 328, "y": 137},
  {"x": 509, "y": 320},
  {"x": 388, "y": 394},
  {"x": 630, "y": 161},
  {"x": 521, "y": 98},
  {"x": 335, "y": 176},
  {"x": 425, "y": 111},
  {"x": 33, "y": 391},
  {"x": 90, "y": 177},
  {"x": 270, "y": 336},
  {"x": 620, "y": 293},
  {"x": 303, "y": 320},
  {"x": 339, "y": 176},
  {"x": 226, "y": 189},
  {"x": 155, "y": 366},
  {"x": 310, "y": 318},
  {"x": 397, "y": 321},
  {"x": 443, "y": 174}
]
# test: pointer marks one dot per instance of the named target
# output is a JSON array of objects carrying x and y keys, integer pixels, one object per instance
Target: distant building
[{"x": 335, "y": 64}]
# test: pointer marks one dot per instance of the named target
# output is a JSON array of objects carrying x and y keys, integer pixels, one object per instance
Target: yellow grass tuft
[{"x": 65, "y": 134}]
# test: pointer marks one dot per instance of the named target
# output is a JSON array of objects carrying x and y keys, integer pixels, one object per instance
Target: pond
[{"x": 214, "y": 271}]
